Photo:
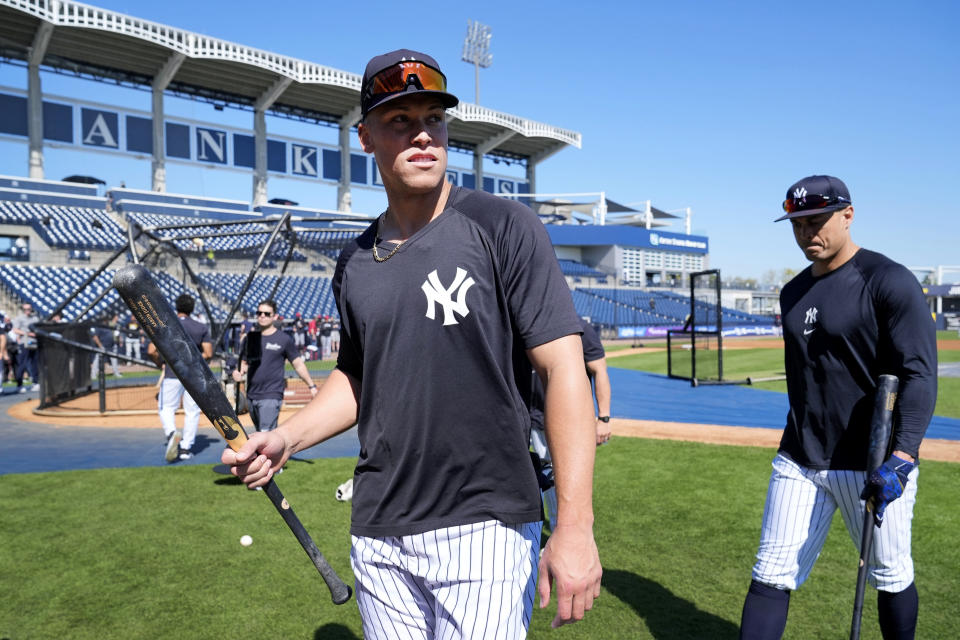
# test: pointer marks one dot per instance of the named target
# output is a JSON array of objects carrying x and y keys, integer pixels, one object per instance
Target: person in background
[
  {"x": 179, "y": 447},
  {"x": 26, "y": 339},
  {"x": 266, "y": 381},
  {"x": 104, "y": 337}
]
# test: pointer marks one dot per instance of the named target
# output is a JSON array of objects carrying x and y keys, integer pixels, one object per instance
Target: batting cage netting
[{"x": 78, "y": 377}]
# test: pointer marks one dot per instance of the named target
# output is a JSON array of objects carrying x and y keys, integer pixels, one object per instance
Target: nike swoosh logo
[{"x": 807, "y": 332}]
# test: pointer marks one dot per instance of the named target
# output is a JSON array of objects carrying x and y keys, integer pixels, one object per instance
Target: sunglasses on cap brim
[
  {"x": 811, "y": 202},
  {"x": 398, "y": 77}
]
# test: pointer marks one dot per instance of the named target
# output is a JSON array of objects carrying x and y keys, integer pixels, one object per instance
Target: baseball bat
[
  {"x": 881, "y": 426},
  {"x": 151, "y": 309}
]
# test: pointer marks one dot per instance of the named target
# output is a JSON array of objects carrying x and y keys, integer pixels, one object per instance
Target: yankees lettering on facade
[{"x": 438, "y": 294}]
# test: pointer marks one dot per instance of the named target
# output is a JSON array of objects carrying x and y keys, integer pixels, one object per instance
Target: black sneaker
[
  {"x": 184, "y": 454},
  {"x": 173, "y": 442}
]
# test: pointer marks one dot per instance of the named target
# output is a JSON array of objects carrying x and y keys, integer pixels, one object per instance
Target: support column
[
  {"x": 264, "y": 102},
  {"x": 533, "y": 161},
  {"x": 483, "y": 149},
  {"x": 260, "y": 158},
  {"x": 344, "y": 198},
  {"x": 35, "y": 122},
  {"x": 158, "y": 180},
  {"x": 35, "y": 101},
  {"x": 478, "y": 170}
]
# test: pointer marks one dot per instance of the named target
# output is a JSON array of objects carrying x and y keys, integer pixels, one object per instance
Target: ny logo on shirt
[
  {"x": 811, "y": 318},
  {"x": 438, "y": 294}
]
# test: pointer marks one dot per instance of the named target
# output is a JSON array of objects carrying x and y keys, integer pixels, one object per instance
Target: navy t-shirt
[
  {"x": 106, "y": 336},
  {"x": 198, "y": 332},
  {"x": 266, "y": 380},
  {"x": 437, "y": 336},
  {"x": 841, "y": 331},
  {"x": 592, "y": 350}
]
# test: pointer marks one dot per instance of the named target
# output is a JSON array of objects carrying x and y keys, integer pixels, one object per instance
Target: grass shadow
[
  {"x": 665, "y": 614},
  {"x": 334, "y": 631}
]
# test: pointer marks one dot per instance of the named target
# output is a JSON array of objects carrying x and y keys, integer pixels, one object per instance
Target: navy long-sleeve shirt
[{"x": 841, "y": 331}]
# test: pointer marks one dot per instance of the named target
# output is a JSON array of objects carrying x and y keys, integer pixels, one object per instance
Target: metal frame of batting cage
[
  {"x": 160, "y": 243},
  {"x": 691, "y": 329}
]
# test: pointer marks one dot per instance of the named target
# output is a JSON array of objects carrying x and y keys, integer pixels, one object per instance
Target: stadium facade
[{"x": 627, "y": 272}]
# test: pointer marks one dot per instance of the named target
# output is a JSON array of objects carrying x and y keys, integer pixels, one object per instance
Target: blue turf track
[
  {"x": 31, "y": 447},
  {"x": 654, "y": 397}
]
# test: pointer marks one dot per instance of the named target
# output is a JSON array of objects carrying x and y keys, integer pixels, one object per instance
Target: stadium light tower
[{"x": 476, "y": 50}]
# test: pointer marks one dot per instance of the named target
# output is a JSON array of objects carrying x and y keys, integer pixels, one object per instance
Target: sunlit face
[
  {"x": 408, "y": 138},
  {"x": 265, "y": 315},
  {"x": 824, "y": 237}
]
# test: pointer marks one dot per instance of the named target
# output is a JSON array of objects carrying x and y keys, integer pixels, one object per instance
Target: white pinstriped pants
[
  {"x": 471, "y": 581},
  {"x": 796, "y": 519},
  {"x": 171, "y": 390}
]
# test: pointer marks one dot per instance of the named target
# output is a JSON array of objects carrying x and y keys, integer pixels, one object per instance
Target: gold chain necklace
[{"x": 376, "y": 240}]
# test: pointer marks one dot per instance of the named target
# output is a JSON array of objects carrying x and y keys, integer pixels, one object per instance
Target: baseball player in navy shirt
[
  {"x": 171, "y": 389},
  {"x": 849, "y": 317},
  {"x": 444, "y": 302}
]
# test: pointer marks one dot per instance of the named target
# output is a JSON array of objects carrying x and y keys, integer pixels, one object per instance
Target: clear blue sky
[{"x": 718, "y": 106}]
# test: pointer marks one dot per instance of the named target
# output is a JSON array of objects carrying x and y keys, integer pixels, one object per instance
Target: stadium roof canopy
[
  {"x": 561, "y": 209},
  {"x": 107, "y": 45}
]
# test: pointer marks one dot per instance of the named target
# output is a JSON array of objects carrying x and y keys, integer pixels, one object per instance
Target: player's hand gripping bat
[
  {"x": 880, "y": 427},
  {"x": 158, "y": 319}
]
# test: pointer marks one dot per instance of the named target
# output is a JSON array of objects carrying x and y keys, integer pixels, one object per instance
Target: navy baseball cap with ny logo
[{"x": 813, "y": 195}]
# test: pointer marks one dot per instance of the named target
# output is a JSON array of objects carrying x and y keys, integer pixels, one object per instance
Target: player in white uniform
[
  {"x": 444, "y": 302},
  {"x": 848, "y": 318}
]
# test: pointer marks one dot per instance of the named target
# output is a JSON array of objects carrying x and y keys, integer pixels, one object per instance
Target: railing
[{"x": 199, "y": 46}]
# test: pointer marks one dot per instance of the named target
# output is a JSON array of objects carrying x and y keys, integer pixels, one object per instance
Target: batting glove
[{"x": 886, "y": 485}]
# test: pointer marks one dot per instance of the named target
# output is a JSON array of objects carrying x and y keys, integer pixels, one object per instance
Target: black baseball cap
[
  {"x": 399, "y": 73},
  {"x": 813, "y": 195}
]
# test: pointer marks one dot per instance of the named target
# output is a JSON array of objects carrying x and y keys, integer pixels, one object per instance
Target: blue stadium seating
[
  {"x": 639, "y": 307},
  {"x": 578, "y": 269},
  {"x": 309, "y": 295},
  {"x": 66, "y": 227}
]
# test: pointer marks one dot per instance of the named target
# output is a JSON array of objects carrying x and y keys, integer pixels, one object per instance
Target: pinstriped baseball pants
[
  {"x": 471, "y": 581},
  {"x": 796, "y": 519}
]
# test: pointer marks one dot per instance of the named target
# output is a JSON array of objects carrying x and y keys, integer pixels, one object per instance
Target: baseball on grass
[{"x": 246, "y": 541}]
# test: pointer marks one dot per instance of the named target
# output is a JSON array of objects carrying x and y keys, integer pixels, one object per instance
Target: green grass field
[
  {"x": 739, "y": 364},
  {"x": 155, "y": 553}
]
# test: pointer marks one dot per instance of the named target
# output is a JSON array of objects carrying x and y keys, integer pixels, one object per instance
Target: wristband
[
  {"x": 603, "y": 418},
  {"x": 313, "y": 386}
]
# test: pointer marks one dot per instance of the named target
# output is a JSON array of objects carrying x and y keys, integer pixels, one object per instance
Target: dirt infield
[
  {"x": 931, "y": 449},
  {"x": 943, "y": 450}
]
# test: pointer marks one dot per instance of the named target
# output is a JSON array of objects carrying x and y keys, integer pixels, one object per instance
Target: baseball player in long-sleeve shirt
[{"x": 848, "y": 318}]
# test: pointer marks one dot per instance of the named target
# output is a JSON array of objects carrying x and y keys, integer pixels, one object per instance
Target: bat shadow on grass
[{"x": 666, "y": 615}]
